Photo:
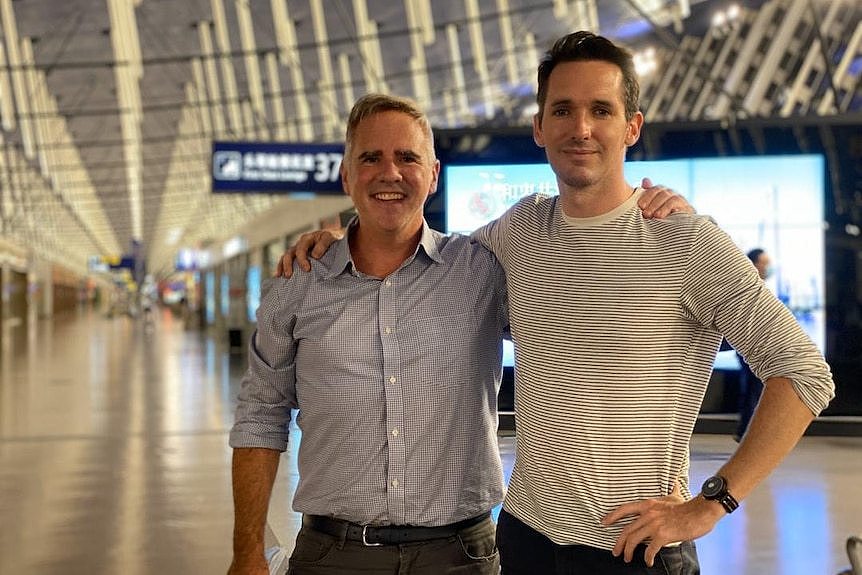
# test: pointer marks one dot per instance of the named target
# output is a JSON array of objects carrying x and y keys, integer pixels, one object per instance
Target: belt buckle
[{"x": 365, "y": 541}]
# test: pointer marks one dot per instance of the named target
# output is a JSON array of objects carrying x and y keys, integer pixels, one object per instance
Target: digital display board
[
  {"x": 252, "y": 280},
  {"x": 210, "y": 301},
  {"x": 769, "y": 202}
]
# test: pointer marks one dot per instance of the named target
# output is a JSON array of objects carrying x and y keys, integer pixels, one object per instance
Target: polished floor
[{"x": 114, "y": 460}]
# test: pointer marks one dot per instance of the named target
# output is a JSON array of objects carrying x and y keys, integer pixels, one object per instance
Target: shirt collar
[{"x": 342, "y": 261}]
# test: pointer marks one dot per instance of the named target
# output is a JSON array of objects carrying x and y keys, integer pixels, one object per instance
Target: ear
[
  {"x": 538, "y": 137},
  {"x": 434, "y": 178},
  {"x": 343, "y": 171},
  {"x": 633, "y": 129}
]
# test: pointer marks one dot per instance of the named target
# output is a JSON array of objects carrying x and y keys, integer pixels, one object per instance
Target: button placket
[{"x": 387, "y": 324}]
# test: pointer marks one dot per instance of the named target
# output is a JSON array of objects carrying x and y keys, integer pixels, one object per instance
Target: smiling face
[
  {"x": 389, "y": 171},
  {"x": 584, "y": 130}
]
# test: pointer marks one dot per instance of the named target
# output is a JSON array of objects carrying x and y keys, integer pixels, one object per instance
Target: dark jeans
[
  {"x": 471, "y": 552},
  {"x": 525, "y": 551}
]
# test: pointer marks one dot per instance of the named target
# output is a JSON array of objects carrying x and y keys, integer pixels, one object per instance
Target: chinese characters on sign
[{"x": 276, "y": 168}]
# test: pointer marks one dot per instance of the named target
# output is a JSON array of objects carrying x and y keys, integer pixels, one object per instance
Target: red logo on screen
[{"x": 481, "y": 205}]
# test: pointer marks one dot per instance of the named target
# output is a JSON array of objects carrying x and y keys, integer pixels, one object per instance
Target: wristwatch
[{"x": 715, "y": 489}]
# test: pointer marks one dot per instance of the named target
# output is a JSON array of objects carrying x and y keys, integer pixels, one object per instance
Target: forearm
[
  {"x": 254, "y": 471},
  {"x": 778, "y": 423}
]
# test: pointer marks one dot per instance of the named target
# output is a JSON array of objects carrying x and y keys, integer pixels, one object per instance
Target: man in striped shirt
[{"x": 616, "y": 321}]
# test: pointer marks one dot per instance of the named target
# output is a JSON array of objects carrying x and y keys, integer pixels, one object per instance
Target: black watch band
[{"x": 729, "y": 502}]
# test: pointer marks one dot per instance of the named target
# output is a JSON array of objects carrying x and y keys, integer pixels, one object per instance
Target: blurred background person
[{"x": 750, "y": 387}]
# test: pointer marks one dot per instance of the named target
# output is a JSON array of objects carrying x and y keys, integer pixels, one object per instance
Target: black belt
[{"x": 373, "y": 536}]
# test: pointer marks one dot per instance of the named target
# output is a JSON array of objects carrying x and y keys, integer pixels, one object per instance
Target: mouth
[
  {"x": 388, "y": 196},
  {"x": 579, "y": 152}
]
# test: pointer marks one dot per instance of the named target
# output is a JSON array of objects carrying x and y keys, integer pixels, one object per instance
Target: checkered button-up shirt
[{"x": 395, "y": 380}]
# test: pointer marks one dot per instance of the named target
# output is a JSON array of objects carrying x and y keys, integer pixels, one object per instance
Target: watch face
[{"x": 713, "y": 486}]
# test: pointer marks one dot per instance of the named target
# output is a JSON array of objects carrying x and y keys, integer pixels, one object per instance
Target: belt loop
[{"x": 343, "y": 528}]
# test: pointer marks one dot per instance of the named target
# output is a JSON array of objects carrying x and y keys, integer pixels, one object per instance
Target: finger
[
  {"x": 629, "y": 553},
  {"x": 322, "y": 243},
  {"x": 651, "y": 199},
  {"x": 279, "y": 269},
  {"x": 666, "y": 202},
  {"x": 303, "y": 261},
  {"x": 635, "y": 537},
  {"x": 626, "y": 510},
  {"x": 285, "y": 265},
  {"x": 619, "y": 545},
  {"x": 651, "y": 551},
  {"x": 673, "y": 204},
  {"x": 287, "y": 261},
  {"x": 300, "y": 251},
  {"x": 646, "y": 183},
  {"x": 623, "y": 539}
]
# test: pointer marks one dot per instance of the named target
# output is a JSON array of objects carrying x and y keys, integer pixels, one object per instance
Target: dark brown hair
[{"x": 579, "y": 46}]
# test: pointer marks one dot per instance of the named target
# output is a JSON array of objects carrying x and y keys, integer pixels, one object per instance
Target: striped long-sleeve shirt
[{"x": 616, "y": 321}]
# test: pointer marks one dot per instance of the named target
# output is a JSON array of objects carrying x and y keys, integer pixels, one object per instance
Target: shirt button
[
  {"x": 395, "y": 432},
  {"x": 388, "y": 283},
  {"x": 392, "y": 379},
  {"x": 394, "y": 483},
  {"x": 388, "y": 330}
]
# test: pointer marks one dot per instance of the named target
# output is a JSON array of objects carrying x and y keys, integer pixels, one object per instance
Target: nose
[
  {"x": 389, "y": 171},
  {"x": 581, "y": 125}
]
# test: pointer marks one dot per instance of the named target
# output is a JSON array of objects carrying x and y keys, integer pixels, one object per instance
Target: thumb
[
  {"x": 646, "y": 183},
  {"x": 676, "y": 493}
]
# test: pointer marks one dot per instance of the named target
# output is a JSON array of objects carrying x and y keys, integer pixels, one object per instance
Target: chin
[{"x": 578, "y": 181}]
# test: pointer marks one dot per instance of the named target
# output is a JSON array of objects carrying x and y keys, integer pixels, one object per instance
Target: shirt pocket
[{"x": 435, "y": 350}]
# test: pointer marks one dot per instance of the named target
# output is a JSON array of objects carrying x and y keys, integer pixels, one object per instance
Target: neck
[
  {"x": 593, "y": 200},
  {"x": 380, "y": 254}
]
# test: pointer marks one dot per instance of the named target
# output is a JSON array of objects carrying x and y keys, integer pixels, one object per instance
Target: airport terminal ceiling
[{"x": 108, "y": 107}]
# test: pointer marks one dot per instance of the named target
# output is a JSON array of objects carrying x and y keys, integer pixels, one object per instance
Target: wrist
[
  {"x": 245, "y": 547},
  {"x": 713, "y": 509},
  {"x": 716, "y": 490}
]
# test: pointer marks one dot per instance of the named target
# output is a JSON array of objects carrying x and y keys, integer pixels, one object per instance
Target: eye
[{"x": 560, "y": 112}]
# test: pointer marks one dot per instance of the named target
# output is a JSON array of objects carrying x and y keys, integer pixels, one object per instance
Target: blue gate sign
[{"x": 276, "y": 168}]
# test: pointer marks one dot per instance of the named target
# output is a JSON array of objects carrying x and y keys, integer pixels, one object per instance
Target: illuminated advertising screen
[
  {"x": 210, "y": 302},
  {"x": 252, "y": 280},
  {"x": 769, "y": 202},
  {"x": 225, "y": 295}
]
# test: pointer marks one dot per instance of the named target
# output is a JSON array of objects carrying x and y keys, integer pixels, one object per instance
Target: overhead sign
[
  {"x": 276, "y": 167},
  {"x": 98, "y": 264}
]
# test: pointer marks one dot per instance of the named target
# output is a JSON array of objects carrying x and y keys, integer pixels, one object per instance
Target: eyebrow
[
  {"x": 399, "y": 153},
  {"x": 569, "y": 102},
  {"x": 370, "y": 155},
  {"x": 606, "y": 103}
]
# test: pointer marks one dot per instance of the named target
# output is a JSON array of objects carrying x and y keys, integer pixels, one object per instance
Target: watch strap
[{"x": 729, "y": 502}]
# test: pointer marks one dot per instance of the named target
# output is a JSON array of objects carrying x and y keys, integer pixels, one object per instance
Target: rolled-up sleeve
[
  {"x": 268, "y": 390},
  {"x": 730, "y": 296}
]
